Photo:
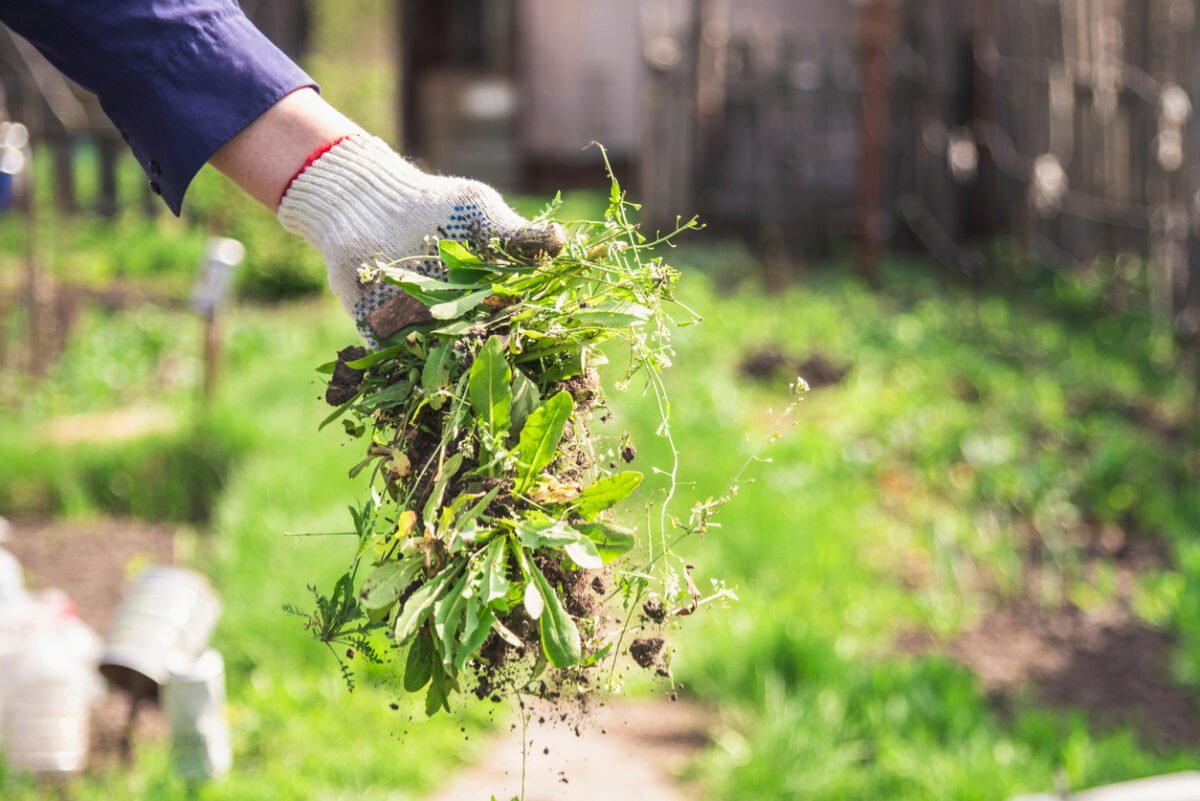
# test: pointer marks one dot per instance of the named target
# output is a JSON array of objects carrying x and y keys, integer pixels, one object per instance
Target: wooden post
[
  {"x": 64, "y": 175},
  {"x": 878, "y": 27},
  {"x": 108, "y": 151},
  {"x": 33, "y": 277}
]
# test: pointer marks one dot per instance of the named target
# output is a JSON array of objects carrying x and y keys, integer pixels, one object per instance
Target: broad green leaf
[
  {"x": 436, "y": 373},
  {"x": 495, "y": 570},
  {"x": 546, "y": 533},
  {"x": 479, "y": 625},
  {"x": 606, "y": 492},
  {"x": 448, "y": 471},
  {"x": 440, "y": 687},
  {"x": 418, "y": 667},
  {"x": 534, "y": 602},
  {"x": 557, "y": 534},
  {"x": 583, "y": 553},
  {"x": 525, "y": 399},
  {"x": 448, "y": 616},
  {"x": 540, "y": 437},
  {"x": 456, "y": 256},
  {"x": 452, "y": 309},
  {"x": 388, "y": 582},
  {"x": 489, "y": 387},
  {"x": 560, "y": 637},
  {"x": 612, "y": 542},
  {"x": 420, "y": 603}
]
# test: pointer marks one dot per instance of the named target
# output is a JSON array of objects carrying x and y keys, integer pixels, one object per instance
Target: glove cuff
[{"x": 347, "y": 202}]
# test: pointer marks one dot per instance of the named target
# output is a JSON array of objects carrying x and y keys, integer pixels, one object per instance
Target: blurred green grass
[{"x": 988, "y": 411}]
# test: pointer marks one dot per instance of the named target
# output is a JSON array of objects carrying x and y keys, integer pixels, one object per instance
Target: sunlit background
[{"x": 967, "y": 562}]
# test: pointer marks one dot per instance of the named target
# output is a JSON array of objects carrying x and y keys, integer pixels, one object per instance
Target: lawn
[{"x": 900, "y": 502}]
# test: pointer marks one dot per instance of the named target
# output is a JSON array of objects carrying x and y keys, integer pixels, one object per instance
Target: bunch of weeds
[{"x": 486, "y": 552}]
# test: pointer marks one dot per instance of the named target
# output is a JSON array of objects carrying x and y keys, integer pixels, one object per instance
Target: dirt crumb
[{"x": 645, "y": 651}]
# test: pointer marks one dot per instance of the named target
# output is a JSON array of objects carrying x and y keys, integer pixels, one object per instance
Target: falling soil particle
[
  {"x": 655, "y": 610},
  {"x": 651, "y": 741},
  {"x": 646, "y": 650}
]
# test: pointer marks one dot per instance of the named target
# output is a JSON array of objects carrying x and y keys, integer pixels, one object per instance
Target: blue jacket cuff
[{"x": 220, "y": 79}]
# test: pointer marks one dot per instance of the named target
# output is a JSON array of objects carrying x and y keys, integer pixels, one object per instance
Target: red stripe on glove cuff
[{"x": 308, "y": 162}]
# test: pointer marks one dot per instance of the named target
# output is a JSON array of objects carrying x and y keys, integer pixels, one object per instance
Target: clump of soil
[
  {"x": 645, "y": 651},
  {"x": 772, "y": 363},
  {"x": 343, "y": 384}
]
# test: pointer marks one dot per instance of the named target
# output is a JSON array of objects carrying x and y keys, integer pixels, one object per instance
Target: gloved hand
[{"x": 360, "y": 201}]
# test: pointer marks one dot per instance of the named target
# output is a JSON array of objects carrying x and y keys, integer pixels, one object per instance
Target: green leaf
[
  {"x": 535, "y": 604},
  {"x": 545, "y": 533},
  {"x": 388, "y": 582},
  {"x": 480, "y": 506},
  {"x": 489, "y": 387},
  {"x": 560, "y": 637},
  {"x": 456, "y": 256},
  {"x": 540, "y": 437},
  {"x": 619, "y": 314},
  {"x": 495, "y": 570},
  {"x": 453, "y": 309},
  {"x": 448, "y": 471},
  {"x": 612, "y": 542},
  {"x": 438, "y": 697},
  {"x": 435, "y": 375},
  {"x": 506, "y": 634},
  {"x": 606, "y": 492},
  {"x": 479, "y": 624},
  {"x": 448, "y": 616},
  {"x": 339, "y": 411},
  {"x": 418, "y": 667},
  {"x": 420, "y": 603},
  {"x": 583, "y": 553},
  {"x": 372, "y": 359},
  {"x": 570, "y": 366},
  {"x": 525, "y": 399},
  {"x": 557, "y": 534}
]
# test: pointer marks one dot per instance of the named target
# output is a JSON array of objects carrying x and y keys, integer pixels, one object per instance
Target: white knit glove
[{"x": 360, "y": 202}]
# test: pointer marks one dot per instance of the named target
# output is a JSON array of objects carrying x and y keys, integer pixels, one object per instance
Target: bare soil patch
[
  {"x": 770, "y": 363},
  {"x": 91, "y": 561},
  {"x": 1104, "y": 660}
]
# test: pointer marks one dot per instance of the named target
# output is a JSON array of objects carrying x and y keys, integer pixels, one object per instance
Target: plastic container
[
  {"x": 167, "y": 618},
  {"x": 12, "y": 578},
  {"x": 194, "y": 701},
  {"x": 49, "y": 681}
]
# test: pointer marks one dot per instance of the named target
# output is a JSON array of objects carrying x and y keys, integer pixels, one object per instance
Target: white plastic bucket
[
  {"x": 49, "y": 683},
  {"x": 169, "y": 614},
  {"x": 12, "y": 579},
  {"x": 194, "y": 700}
]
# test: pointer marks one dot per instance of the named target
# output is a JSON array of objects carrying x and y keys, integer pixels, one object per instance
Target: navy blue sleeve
[{"x": 178, "y": 78}]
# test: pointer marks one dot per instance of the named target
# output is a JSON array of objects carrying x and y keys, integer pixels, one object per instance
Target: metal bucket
[
  {"x": 169, "y": 614},
  {"x": 194, "y": 700}
]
